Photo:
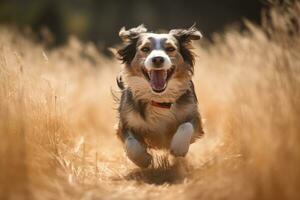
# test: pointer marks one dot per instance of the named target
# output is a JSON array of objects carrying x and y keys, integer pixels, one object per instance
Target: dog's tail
[{"x": 120, "y": 82}]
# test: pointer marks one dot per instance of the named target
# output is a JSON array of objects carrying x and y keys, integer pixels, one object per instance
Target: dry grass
[{"x": 57, "y": 117}]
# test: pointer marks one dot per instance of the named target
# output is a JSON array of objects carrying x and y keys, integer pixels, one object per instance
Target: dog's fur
[{"x": 143, "y": 125}]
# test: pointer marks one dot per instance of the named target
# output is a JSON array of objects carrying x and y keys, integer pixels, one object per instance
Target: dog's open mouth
[{"x": 159, "y": 78}]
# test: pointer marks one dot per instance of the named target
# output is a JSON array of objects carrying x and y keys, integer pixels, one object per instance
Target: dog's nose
[{"x": 158, "y": 61}]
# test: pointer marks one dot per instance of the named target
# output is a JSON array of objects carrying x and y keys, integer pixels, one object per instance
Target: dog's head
[{"x": 157, "y": 64}]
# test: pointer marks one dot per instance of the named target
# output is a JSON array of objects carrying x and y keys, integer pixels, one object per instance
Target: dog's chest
[{"x": 156, "y": 121}]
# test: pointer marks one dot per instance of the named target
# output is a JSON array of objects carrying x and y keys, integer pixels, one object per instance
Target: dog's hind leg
[
  {"x": 181, "y": 140},
  {"x": 136, "y": 152}
]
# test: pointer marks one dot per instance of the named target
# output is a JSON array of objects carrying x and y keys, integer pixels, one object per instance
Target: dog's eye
[
  {"x": 145, "y": 49},
  {"x": 170, "y": 49}
]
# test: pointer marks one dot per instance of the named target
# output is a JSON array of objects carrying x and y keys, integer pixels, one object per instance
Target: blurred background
[
  {"x": 57, "y": 114},
  {"x": 100, "y": 20}
]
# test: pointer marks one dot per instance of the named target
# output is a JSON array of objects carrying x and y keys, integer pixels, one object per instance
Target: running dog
[{"x": 158, "y": 106}]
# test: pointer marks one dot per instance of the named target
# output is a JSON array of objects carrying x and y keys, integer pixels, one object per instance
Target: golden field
[{"x": 57, "y": 137}]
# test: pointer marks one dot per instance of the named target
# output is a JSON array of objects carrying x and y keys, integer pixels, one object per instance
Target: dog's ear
[
  {"x": 130, "y": 37},
  {"x": 131, "y": 34},
  {"x": 186, "y": 35}
]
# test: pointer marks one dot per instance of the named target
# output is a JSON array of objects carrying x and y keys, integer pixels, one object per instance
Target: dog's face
[
  {"x": 162, "y": 63},
  {"x": 159, "y": 56}
]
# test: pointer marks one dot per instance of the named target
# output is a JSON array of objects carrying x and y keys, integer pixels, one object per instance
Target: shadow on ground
[{"x": 164, "y": 169}]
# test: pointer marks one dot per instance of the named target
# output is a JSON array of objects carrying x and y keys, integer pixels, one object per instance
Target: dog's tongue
[{"x": 158, "y": 79}]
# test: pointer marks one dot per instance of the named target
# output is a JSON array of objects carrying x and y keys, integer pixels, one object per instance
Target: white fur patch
[
  {"x": 136, "y": 152},
  {"x": 167, "y": 62},
  {"x": 181, "y": 140}
]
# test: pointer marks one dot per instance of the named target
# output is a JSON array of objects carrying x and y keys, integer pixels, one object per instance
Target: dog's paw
[
  {"x": 137, "y": 153},
  {"x": 181, "y": 140}
]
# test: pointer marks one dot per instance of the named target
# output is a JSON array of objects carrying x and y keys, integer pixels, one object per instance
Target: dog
[{"x": 158, "y": 105}]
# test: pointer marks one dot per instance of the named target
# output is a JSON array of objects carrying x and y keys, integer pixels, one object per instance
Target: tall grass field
[{"x": 57, "y": 119}]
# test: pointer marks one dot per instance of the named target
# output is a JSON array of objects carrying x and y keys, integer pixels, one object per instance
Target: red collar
[{"x": 161, "y": 105}]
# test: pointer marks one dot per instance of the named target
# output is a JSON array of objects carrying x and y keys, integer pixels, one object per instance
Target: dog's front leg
[
  {"x": 181, "y": 140},
  {"x": 136, "y": 152}
]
